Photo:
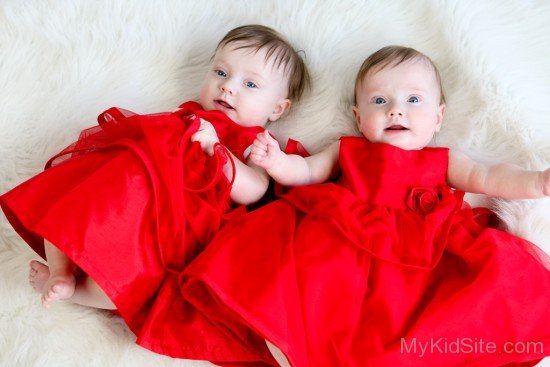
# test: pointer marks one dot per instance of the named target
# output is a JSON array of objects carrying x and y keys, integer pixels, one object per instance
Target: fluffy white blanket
[{"x": 63, "y": 62}]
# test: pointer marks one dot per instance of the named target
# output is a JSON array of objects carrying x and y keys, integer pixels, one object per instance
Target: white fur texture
[{"x": 64, "y": 62}]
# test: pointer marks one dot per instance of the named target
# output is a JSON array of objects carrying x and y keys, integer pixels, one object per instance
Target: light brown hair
[
  {"x": 278, "y": 50},
  {"x": 393, "y": 56}
]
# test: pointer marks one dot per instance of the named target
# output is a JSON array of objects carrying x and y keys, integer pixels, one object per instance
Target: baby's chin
[
  {"x": 405, "y": 145},
  {"x": 410, "y": 146}
]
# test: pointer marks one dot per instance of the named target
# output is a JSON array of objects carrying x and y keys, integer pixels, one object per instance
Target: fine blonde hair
[
  {"x": 393, "y": 56},
  {"x": 278, "y": 50}
]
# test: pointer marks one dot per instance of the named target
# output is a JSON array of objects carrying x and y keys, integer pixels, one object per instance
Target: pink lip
[
  {"x": 224, "y": 104},
  {"x": 396, "y": 128}
]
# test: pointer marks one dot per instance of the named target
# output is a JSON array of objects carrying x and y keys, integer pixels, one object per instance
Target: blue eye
[
  {"x": 221, "y": 73},
  {"x": 413, "y": 99},
  {"x": 251, "y": 85},
  {"x": 379, "y": 100}
]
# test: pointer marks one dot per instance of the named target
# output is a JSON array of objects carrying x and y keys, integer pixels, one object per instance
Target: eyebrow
[
  {"x": 410, "y": 89},
  {"x": 256, "y": 75},
  {"x": 416, "y": 90}
]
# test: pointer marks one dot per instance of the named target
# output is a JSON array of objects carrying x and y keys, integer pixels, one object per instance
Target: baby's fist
[
  {"x": 265, "y": 151},
  {"x": 206, "y": 136},
  {"x": 546, "y": 182}
]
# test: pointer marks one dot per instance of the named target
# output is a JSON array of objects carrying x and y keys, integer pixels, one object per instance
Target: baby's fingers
[
  {"x": 258, "y": 159},
  {"x": 546, "y": 182},
  {"x": 260, "y": 151},
  {"x": 259, "y": 145},
  {"x": 262, "y": 138},
  {"x": 270, "y": 140}
]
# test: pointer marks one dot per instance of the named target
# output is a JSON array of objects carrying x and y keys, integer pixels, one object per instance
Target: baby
[
  {"x": 353, "y": 273},
  {"x": 137, "y": 198}
]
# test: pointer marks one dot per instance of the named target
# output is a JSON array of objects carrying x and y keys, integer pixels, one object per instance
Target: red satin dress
[
  {"x": 132, "y": 202},
  {"x": 387, "y": 267}
]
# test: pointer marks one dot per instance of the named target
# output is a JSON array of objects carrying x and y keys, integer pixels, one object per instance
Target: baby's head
[
  {"x": 399, "y": 98},
  {"x": 254, "y": 77}
]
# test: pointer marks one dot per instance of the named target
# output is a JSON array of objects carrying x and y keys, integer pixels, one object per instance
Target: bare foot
[
  {"x": 38, "y": 275},
  {"x": 53, "y": 287},
  {"x": 58, "y": 287}
]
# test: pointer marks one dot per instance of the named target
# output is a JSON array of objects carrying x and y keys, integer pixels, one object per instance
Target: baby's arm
[
  {"x": 291, "y": 169},
  {"x": 250, "y": 183},
  {"x": 503, "y": 180}
]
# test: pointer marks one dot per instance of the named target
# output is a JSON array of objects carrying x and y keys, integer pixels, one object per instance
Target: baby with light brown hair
[
  {"x": 124, "y": 209},
  {"x": 388, "y": 256}
]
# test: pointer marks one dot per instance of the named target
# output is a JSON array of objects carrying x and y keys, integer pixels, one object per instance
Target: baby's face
[
  {"x": 244, "y": 86},
  {"x": 400, "y": 105}
]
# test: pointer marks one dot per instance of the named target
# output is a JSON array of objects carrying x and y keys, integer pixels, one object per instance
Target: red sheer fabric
[
  {"x": 369, "y": 271},
  {"x": 131, "y": 203}
]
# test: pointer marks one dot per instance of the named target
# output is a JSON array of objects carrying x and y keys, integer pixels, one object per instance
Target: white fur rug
[{"x": 63, "y": 62}]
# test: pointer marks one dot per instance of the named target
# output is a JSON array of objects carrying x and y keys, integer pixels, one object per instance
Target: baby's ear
[
  {"x": 280, "y": 108},
  {"x": 356, "y": 115},
  {"x": 440, "y": 114}
]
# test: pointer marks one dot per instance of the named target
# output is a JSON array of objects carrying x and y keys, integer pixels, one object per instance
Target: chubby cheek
[
  {"x": 256, "y": 109},
  {"x": 368, "y": 127},
  {"x": 366, "y": 132},
  {"x": 249, "y": 116},
  {"x": 206, "y": 96}
]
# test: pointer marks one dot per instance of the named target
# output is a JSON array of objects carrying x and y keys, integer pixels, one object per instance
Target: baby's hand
[
  {"x": 206, "y": 136},
  {"x": 546, "y": 182},
  {"x": 265, "y": 151}
]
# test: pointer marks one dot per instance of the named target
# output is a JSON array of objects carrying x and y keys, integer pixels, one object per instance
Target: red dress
[
  {"x": 131, "y": 203},
  {"x": 388, "y": 267}
]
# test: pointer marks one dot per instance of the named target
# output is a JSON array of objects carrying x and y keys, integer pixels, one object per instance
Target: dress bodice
[
  {"x": 386, "y": 199},
  {"x": 382, "y": 174}
]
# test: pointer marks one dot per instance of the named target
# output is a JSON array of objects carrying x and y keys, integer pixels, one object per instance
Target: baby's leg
[
  {"x": 61, "y": 282},
  {"x": 86, "y": 292}
]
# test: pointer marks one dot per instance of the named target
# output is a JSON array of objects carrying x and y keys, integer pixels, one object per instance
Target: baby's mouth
[
  {"x": 224, "y": 104},
  {"x": 396, "y": 128}
]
